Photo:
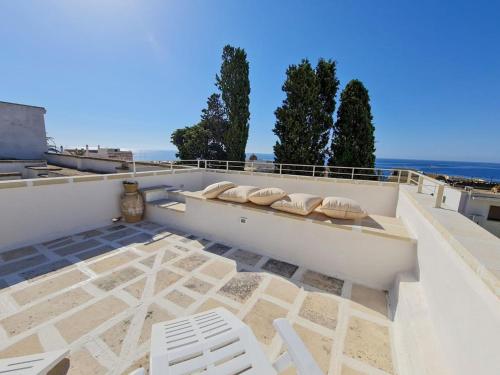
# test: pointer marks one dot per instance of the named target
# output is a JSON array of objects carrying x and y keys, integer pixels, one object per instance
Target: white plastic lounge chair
[
  {"x": 217, "y": 342},
  {"x": 36, "y": 364}
]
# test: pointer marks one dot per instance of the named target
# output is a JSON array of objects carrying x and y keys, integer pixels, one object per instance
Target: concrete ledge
[
  {"x": 50, "y": 181},
  {"x": 11, "y": 185},
  {"x": 119, "y": 176},
  {"x": 88, "y": 178}
]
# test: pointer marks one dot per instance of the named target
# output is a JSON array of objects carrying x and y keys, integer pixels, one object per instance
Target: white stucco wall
[
  {"x": 463, "y": 311},
  {"x": 38, "y": 213},
  {"x": 479, "y": 208},
  {"x": 22, "y": 131},
  {"x": 376, "y": 198}
]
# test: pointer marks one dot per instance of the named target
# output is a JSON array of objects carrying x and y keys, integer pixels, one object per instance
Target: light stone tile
[
  {"x": 319, "y": 346},
  {"x": 149, "y": 261},
  {"x": 154, "y": 245},
  {"x": 282, "y": 289},
  {"x": 142, "y": 362},
  {"x": 112, "y": 262},
  {"x": 44, "y": 311},
  {"x": 84, "y": 321},
  {"x": 212, "y": 303},
  {"x": 83, "y": 363},
  {"x": 320, "y": 309},
  {"x": 168, "y": 256},
  {"x": 197, "y": 285},
  {"x": 217, "y": 269},
  {"x": 27, "y": 346},
  {"x": 346, "y": 370},
  {"x": 260, "y": 319},
  {"x": 180, "y": 299},
  {"x": 114, "y": 336},
  {"x": 155, "y": 314},
  {"x": 136, "y": 289},
  {"x": 369, "y": 300},
  {"x": 117, "y": 278},
  {"x": 191, "y": 262},
  {"x": 164, "y": 279},
  {"x": 50, "y": 286},
  {"x": 370, "y": 343}
]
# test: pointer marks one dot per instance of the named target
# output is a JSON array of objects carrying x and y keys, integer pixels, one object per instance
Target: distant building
[
  {"x": 102, "y": 152},
  {"x": 22, "y": 131}
]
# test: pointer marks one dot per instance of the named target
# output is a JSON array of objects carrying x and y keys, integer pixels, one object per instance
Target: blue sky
[{"x": 127, "y": 73}]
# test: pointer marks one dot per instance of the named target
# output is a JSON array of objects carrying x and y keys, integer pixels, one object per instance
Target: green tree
[
  {"x": 353, "y": 142},
  {"x": 204, "y": 140},
  {"x": 305, "y": 119},
  {"x": 191, "y": 142},
  {"x": 234, "y": 85}
]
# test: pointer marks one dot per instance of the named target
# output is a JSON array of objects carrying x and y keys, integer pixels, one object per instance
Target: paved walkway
[{"x": 99, "y": 292}]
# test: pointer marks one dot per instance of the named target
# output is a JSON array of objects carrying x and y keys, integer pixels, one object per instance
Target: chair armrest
[{"x": 300, "y": 356}]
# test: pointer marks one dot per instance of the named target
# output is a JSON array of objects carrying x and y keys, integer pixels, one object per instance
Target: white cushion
[
  {"x": 267, "y": 196},
  {"x": 302, "y": 204},
  {"x": 212, "y": 191},
  {"x": 342, "y": 208},
  {"x": 237, "y": 194}
]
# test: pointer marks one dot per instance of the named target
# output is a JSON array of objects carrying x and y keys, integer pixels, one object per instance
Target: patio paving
[{"x": 99, "y": 292}]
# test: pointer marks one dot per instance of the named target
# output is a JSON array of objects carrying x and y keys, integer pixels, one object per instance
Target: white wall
[
  {"x": 480, "y": 209},
  {"x": 84, "y": 163},
  {"x": 465, "y": 313},
  {"x": 346, "y": 254},
  {"x": 19, "y": 166},
  {"x": 22, "y": 131},
  {"x": 377, "y": 198},
  {"x": 38, "y": 213}
]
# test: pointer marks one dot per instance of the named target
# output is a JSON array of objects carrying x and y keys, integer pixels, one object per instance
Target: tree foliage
[
  {"x": 353, "y": 142},
  {"x": 305, "y": 119},
  {"x": 234, "y": 85},
  {"x": 204, "y": 140}
]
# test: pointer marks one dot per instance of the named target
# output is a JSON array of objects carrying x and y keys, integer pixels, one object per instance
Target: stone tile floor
[{"x": 99, "y": 292}]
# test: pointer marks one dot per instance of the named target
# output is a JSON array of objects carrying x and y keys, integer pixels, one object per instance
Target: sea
[{"x": 481, "y": 170}]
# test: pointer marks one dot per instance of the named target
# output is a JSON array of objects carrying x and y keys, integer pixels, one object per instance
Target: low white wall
[
  {"x": 347, "y": 254},
  {"x": 32, "y": 214},
  {"x": 465, "y": 313},
  {"x": 20, "y": 166},
  {"x": 480, "y": 208},
  {"x": 378, "y": 198},
  {"x": 84, "y": 163}
]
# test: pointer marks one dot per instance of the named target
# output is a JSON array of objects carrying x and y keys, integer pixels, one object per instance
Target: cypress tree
[
  {"x": 304, "y": 120},
  {"x": 353, "y": 142},
  {"x": 234, "y": 85}
]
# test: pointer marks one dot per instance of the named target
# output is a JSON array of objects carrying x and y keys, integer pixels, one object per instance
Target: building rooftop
[{"x": 98, "y": 293}]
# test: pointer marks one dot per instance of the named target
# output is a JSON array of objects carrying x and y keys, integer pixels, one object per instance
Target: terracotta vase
[{"x": 132, "y": 203}]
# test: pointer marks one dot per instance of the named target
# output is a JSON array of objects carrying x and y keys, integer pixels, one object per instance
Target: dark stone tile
[
  {"x": 280, "y": 268},
  {"x": 21, "y": 252},
  {"x": 57, "y": 240},
  {"x": 45, "y": 269},
  {"x": 16, "y": 266},
  {"x": 323, "y": 282},
  {"x": 241, "y": 287},
  {"x": 147, "y": 225},
  {"x": 245, "y": 257},
  {"x": 188, "y": 239},
  {"x": 139, "y": 238},
  {"x": 88, "y": 234},
  {"x": 120, "y": 234},
  {"x": 58, "y": 244},
  {"x": 218, "y": 248},
  {"x": 95, "y": 252},
  {"x": 3, "y": 284},
  {"x": 114, "y": 228},
  {"x": 77, "y": 247}
]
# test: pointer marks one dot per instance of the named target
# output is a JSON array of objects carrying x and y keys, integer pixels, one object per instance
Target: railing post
[
  {"x": 281, "y": 165},
  {"x": 227, "y": 165},
  {"x": 408, "y": 178},
  {"x": 252, "y": 168},
  {"x": 439, "y": 196},
  {"x": 198, "y": 160},
  {"x": 352, "y": 174},
  {"x": 420, "y": 184},
  {"x": 399, "y": 176},
  {"x": 314, "y": 170},
  {"x": 171, "y": 165}
]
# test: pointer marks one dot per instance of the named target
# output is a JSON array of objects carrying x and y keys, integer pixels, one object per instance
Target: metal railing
[{"x": 425, "y": 184}]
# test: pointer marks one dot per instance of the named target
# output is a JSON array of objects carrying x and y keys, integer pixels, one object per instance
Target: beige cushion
[
  {"x": 267, "y": 196},
  {"x": 212, "y": 191},
  {"x": 302, "y": 204},
  {"x": 342, "y": 208},
  {"x": 237, "y": 194}
]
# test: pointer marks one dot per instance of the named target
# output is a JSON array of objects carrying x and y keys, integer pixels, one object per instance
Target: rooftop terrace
[{"x": 98, "y": 293}]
